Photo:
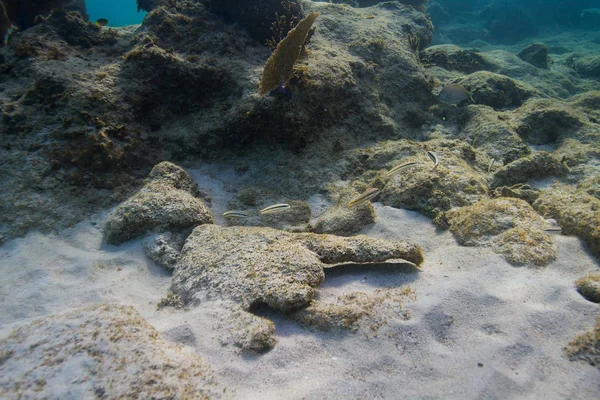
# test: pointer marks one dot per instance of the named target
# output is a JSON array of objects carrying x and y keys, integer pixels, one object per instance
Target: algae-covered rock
[
  {"x": 586, "y": 347},
  {"x": 497, "y": 91},
  {"x": 246, "y": 330},
  {"x": 97, "y": 344},
  {"x": 519, "y": 191},
  {"x": 168, "y": 201},
  {"x": 350, "y": 310},
  {"x": 535, "y": 166},
  {"x": 165, "y": 248},
  {"x": 589, "y": 287},
  {"x": 453, "y": 58},
  {"x": 510, "y": 226},
  {"x": 254, "y": 266},
  {"x": 589, "y": 103},
  {"x": 588, "y": 66},
  {"x": 343, "y": 220},
  {"x": 576, "y": 211},
  {"x": 544, "y": 121},
  {"x": 454, "y": 183},
  {"x": 492, "y": 133},
  {"x": 535, "y": 54}
]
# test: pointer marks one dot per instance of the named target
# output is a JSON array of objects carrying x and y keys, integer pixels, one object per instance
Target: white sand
[{"x": 471, "y": 307}]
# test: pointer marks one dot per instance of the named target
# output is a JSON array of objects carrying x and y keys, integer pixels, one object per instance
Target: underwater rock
[
  {"x": 169, "y": 200},
  {"x": 97, "y": 344},
  {"x": 497, "y": 91},
  {"x": 534, "y": 166},
  {"x": 342, "y": 220},
  {"x": 23, "y": 13},
  {"x": 511, "y": 226},
  {"x": 546, "y": 121},
  {"x": 589, "y": 287},
  {"x": 246, "y": 330},
  {"x": 588, "y": 66},
  {"x": 493, "y": 133},
  {"x": 589, "y": 103},
  {"x": 352, "y": 310},
  {"x": 254, "y": 266},
  {"x": 535, "y": 54},
  {"x": 454, "y": 183},
  {"x": 518, "y": 191},
  {"x": 165, "y": 248},
  {"x": 576, "y": 211},
  {"x": 453, "y": 58},
  {"x": 586, "y": 347}
]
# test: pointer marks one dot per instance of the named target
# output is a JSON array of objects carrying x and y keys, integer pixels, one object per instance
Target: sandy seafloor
[{"x": 479, "y": 327}]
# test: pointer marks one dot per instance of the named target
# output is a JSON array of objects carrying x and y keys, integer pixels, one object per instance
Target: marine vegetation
[
  {"x": 280, "y": 65},
  {"x": 586, "y": 347}
]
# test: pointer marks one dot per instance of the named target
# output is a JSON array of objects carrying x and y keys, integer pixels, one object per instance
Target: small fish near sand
[
  {"x": 364, "y": 197},
  {"x": 235, "y": 214},
  {"x": 400, "y": 167},
  {"x": 275, "y": 208},
  {"x": 434, "y": 158},
  {"x": 101, "y": 22},
  {"x": 454, "y": 94}
]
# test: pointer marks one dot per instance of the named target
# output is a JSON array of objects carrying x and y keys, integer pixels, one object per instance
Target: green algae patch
[
  {"x": 509, "y": 225},
  {"x": 168, "y": 201},
  {"x": 589, "y": 287},
  {"x": 576, "y": 211},
  {"x": 586, "y": 347}
]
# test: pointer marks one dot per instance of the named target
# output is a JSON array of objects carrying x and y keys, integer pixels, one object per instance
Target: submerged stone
[
  {"x": 168, "y": 201},
  {"x": 535, "y": 54},
  {"x": 510, "y": 226}
]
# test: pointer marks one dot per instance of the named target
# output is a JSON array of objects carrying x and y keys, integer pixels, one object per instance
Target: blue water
[{"x": 117, "y": 12}]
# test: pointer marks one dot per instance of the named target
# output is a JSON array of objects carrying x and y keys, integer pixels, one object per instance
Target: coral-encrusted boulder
[{"x": 168, "y": 201}]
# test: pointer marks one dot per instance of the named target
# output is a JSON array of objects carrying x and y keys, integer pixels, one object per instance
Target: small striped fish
[
  {"x": 235, "y": 214},
  {"x": 399, "y": 168},
  {"x": 491, "y": 165},
  {"x": 364, "y": 197},
  {"x": 275, "y": 208},
  {"x": 433, "y": 157}
]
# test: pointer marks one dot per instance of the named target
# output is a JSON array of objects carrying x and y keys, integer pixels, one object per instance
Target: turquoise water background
[{"x": 117, "y": 12}]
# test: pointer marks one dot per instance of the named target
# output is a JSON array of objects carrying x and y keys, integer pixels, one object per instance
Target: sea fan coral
[{"x": 280, "y": 65}]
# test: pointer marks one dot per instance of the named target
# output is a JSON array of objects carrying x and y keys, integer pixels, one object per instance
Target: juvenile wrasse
[
  {"x": 400, "y": 167},
  {"x": 364, "y": 197},
  {"x": 275, "y": 208},
  {"x": 433, "y": 157},
  {"x": 235, "y": 214},
  {"x": 491, "y": 165}
]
